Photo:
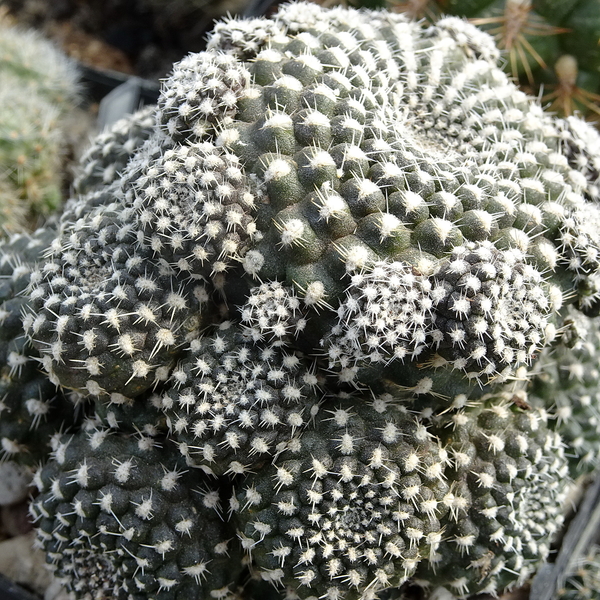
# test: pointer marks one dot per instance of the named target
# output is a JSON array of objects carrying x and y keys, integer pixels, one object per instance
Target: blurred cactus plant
[
  {"x": 38, "y": 87},
  {"x": 551, "y": 46}
]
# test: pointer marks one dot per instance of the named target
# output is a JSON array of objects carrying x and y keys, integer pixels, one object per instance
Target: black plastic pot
[
  {"x": 12, "y": 591},
  {"x": 118, "y": 94},
  {"x": 100, "y": 82}
]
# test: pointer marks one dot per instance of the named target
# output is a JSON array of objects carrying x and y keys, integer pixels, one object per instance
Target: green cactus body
[
  {"x": 120, "y": 519},
  {"x": 32, "y": 409},
  {"x": 506, "y": 482},
  {"x": 566, "y": 383},
  {"x": 350, "y": 507},
  {"x": 351, "y": 221},
  {"x": 306, "y": 166}
]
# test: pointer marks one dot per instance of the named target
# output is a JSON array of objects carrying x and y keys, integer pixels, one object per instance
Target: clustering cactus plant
[{"x": 308, "y": 308}]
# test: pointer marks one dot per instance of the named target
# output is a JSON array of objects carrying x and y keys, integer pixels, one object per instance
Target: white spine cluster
[
  {"x": 272, "y": 312},
  {"x": 201, "y": 94},
  {"x": 387, "y": 315},
  {"x": 492, "y": 310}
]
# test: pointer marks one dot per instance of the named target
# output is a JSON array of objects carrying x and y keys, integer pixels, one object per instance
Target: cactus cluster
[{"x": 307, "y": 311}]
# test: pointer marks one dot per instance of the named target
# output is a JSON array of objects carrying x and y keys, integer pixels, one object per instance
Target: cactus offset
[
  {"x": 350, "y": 507},
  {"x": 119, "y": 518},
  {"x": 507, "y": 482}
]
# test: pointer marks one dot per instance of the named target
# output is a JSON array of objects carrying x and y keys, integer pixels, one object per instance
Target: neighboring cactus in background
[
  {"x": 38, "y": 87},
  {"x": 30, "y": 147},
  {"x": 566, "y": 95},
  {"x": 528, "y": 39},
  {"x": 39, "y": 65},
  {"x": 584, "y": 582},
  {"x": 325, "y": 274}
]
